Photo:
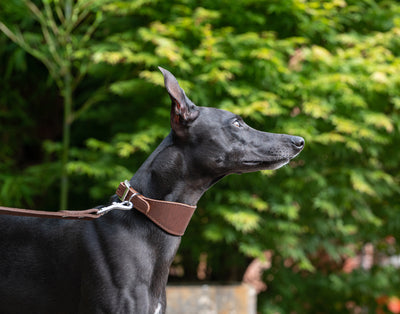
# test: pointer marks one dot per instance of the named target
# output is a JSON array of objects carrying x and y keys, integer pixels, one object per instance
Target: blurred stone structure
[{"x": 212, "y": 299}]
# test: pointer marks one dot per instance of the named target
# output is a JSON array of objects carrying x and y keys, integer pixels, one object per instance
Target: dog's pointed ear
[{"x": 183, "y": 111}]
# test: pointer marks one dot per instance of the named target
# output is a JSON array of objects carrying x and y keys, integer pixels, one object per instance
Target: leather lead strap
[{"x": 88, "y": 214}]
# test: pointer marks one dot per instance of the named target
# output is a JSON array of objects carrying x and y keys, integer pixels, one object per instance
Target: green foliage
[
  {"x": 63, "y": 46},
  {"x": 325, "y": 70}
]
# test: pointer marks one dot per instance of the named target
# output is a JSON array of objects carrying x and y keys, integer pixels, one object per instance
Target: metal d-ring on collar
[{"x": 128, "y": 186}]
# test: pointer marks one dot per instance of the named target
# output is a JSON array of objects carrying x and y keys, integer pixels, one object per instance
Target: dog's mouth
[
  {"x": 252, "y": 162},
  {"x": 270, "y": 164}
]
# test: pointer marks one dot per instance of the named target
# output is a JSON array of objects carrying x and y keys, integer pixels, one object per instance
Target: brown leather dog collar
[{"x": 170, "y": 216}]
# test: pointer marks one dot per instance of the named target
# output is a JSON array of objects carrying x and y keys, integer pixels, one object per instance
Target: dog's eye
[{"x": 236, "y": 123}]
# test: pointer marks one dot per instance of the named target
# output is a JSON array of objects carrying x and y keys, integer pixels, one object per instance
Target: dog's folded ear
[{"x": 183, "y": 111}]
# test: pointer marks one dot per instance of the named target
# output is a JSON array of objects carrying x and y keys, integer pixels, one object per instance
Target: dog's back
[
  {"x": 39, "y": 259},
  {"x": 116, "y": 264}
]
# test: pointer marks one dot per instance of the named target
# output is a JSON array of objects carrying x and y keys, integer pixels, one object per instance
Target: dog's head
[{"x": 222, "y": 143}]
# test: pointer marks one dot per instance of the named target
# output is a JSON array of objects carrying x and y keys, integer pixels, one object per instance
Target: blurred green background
[{"x": 81, "y": 98}]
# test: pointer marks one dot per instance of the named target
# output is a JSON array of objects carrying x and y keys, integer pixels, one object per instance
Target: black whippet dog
[{"x": 119, "y": 263}]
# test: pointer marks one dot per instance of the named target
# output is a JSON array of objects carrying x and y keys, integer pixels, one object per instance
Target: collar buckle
[{"x": 127, "y": 187}]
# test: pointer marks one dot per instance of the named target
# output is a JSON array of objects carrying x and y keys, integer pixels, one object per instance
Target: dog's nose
[{"x": 298, "y": 141}]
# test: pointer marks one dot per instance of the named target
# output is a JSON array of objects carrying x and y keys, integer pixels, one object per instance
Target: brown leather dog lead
[
  {"x": 88, "y": 214},
  {"x": 170, "y": 216}
]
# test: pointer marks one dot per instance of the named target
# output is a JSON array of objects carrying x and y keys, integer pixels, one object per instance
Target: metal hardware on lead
[
  {"x": 127, "y": 187},
  {"x": 125, "y": 205}
]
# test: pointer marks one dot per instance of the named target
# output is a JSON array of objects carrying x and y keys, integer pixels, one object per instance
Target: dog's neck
[{"x": 167, "y": 175}]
